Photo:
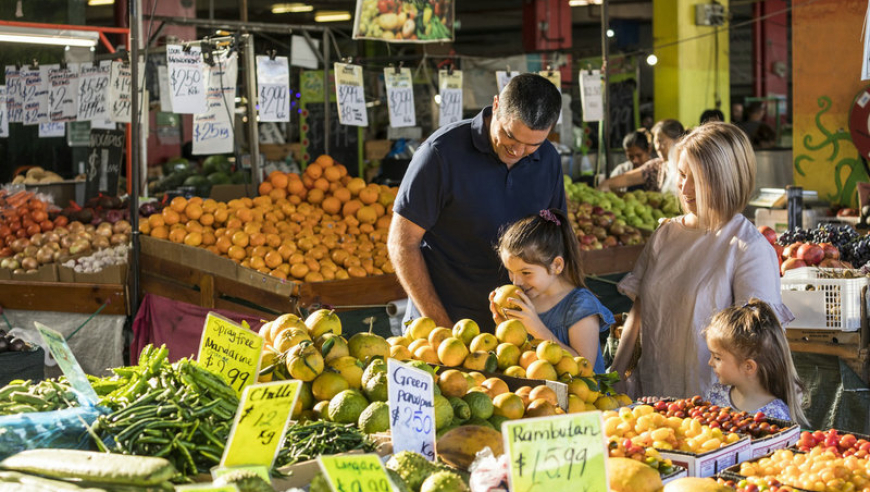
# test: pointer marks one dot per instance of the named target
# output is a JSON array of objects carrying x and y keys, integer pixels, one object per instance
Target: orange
[
  {"x": 170, "y": 216},
  {"x": 379, "y": 209},
  {"x": 206, "y": 219},
  {"x": 355, "y": 271},
  {"x": 278, "y": 194},
  {"x": 278, "y": 274},
  {"x": 193, "y": 211},
  {"x": 342, "y": 193},
  {"x": 240, "y": 239},
  {"x": 236, "y": 252},
  {"x": 368, "y": 195},
  {"x": 324, "y": 161},
  {"x": 209, "y": 205},
  {"x": 265, "y": 188},
  {"x": 196, "y": 199},
  {"x": 350, "y": 208},
  {"x": 156, "y": 220},
  {"x": 331, "y": 205},
  {"x": 273, "y": 259},
  {"x": 286, "y": 249},
  {"x": 145, "y": 227},
  {"x": 314, "y": 170},
  {"x": 160, "y": 232},
  {"x": 332, "y": 174},
  {"x": 356, "y": 185},
  {"x": 321, "y": 184},
  {"x": 273, "y": 240},
  {"x": 544, "y": 392},
  {"x": 315, "y": 196},
  {"x": 296, "y": 258},
  {"x": 296, "y": 187},
  {"x": 279, "y": 180},
  {"x": 383, "y": 222},
  {"x": 299, "y": 270},
  {"x": 221, "y": 215},
  {"x": 313, "y": 277},
  {"x": 257, "y": 262},
  {"x": 367, "y": 215},
  {"x": 193, "y": 239},
  {"x": 193, "y": 226},
  {"x": 178, "y": 204},
  {"x": 508, "y": 405},
  {"x": 343, "y": 171},
  {"x": 252, "y": 228},
  {"x": 257, "y": 239},
  {"x": 177, "y": 235},
  {"x": 244, "y": 214},
  {"x": 223, "y": 244}
]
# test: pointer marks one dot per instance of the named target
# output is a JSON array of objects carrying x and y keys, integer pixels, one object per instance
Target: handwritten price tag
[
  {"x": 554, "y": 453},
  {"x": 4, "y": 113},
  {"x": 590, "y": 95},
  {"x": 350, "y": 95},
  {"x": 231, "y": 351},
  {"x": 52, "y": 129},
  {"x": 260, "y": 423},
  {"x": 120, "y": 97},
  {"x": 502, "y": 77},
  {"x": 213, "y": 130},
  {"x": 400, "y": 97},
  {"x": 412, "y": 409},
  {"x": 555, "y": 77},
  {"x": 186, "y": 80},
  {"x": 35, "y": 95},
  {"x": 355, "y": 473},
  {"x": 273, "y": 88},
  {"x": 62, "y": 94},
  {"x": 68, "y": 364},
  {"x": 14, "y": 94},
  {"x": 450, "y": 85},
  {"x": 93, "y": 93}
]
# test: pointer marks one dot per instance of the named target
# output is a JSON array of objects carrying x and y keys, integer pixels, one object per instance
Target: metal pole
[
  {"x": 326, "y": 116},
  {"x": 243, "y": 10},
  {"x": 135, "y": 131},
  {"x": 605, "y": 92},
  {"x": 251, "y": 86}
]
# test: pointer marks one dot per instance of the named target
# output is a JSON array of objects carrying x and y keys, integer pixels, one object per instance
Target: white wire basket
[{"x": 824, "y": 303}]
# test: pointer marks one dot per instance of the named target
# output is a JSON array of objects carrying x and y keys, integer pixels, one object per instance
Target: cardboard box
[
  {"x": 65, "y": 274},
  {"x": 5, "y": 274},
  {"x": 712, "y": 462},
  {"x": 112, "y": 274},
  {"x": 680, "y": 472},
  {"x": 781, "y": 440},
  {"x": 45, "y": 273}
]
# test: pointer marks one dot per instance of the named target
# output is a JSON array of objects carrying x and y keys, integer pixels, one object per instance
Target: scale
[{"x": 776, "y": 198}]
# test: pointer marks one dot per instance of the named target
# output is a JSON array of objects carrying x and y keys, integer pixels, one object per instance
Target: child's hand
[
  {"x": 525, "y": 312},
  {"x": 496, "y": 315}
]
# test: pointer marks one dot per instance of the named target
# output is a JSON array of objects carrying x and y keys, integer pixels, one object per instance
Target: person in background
[
  {"x": 712, "y": 115},
  {"x": 654, "y": 175},
  {"x": 760, "y": 133},
  {"x": 736, "y": 113},
  {"x": 638, "y": 150},
  {"x": 751, "y": 358},
  {"x": 464, "y": 183},
  {"x": 710, "y": 258},
  {"x": 542, "y": 257}
]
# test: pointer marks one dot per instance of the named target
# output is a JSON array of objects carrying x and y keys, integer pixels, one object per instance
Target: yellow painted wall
[
  {"x": 826, "y": 52},
  {"x": 685, "y": 76}
]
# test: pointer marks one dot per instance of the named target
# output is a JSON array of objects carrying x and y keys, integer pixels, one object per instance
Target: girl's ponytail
[{"x": 573, "y": 264}]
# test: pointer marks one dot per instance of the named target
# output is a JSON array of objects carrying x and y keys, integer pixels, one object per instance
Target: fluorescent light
[
  {"x": 332, "y": 16},
  {"x": 94, "y": 3},
  {"x": 57, "y": 37},
  {"x": 291, "y": 8},
  {"x": 582, "y": 3}
]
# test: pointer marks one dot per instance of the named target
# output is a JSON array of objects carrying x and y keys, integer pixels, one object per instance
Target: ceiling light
[
  {"x": 291, "y": 8},
  {"x": 57, "y": 37},
  {"x": 582, "y": 3},
  {"x": 332, "y": 16},
  {"x": 652, "y": 60},
  {"x": 94, "y": 3},
  {"x": 610, "y": 33}
]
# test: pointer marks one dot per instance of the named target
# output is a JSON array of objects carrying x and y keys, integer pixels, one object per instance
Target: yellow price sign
[
  {"x": 556, "y": 453},
  {"x": 355, "y": 473},
  {"x": 260, "y": 423},
  {"x": 207, "y": 487},
  {"x": 231, "y": 351}
]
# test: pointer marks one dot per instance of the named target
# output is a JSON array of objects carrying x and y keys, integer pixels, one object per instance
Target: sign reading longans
[
  {"x": 355, "y": 473},
  {"x": 412, "y": 409},
  {"x": 68, "y": 364},
  {"x": 260, "y": 423},
  {"x": 231, "y": 351},
  {"x": 557, "y": 453}
]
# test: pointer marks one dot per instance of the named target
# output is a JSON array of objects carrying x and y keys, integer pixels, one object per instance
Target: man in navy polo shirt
[{"x": 467, "y": 182}]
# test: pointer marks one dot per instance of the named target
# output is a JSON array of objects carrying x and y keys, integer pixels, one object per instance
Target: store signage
[
  {"x": 502, "y": 77},
  {"x": 213, "y": 129},
  {"x": 273, "y": 88},
  {"x": 14, "y": 94},
  {"x": 52, "y": 129},
  {"x": 105, "y": 154},
  {"x": 63, "y": 93},
  {"x": 558, "y": 452},
  {"x": 555, "y": 77},
  {"x": 68, "y": 364},
  {"x": 120, "y": 92},
  {"x": 35, "y": 95},
  {"x": 78, "y": 134},
  {"x": 260, "y": 423},
  {"x": 186, "y": 79},
  {"x": 450, "y": 89},
  {"x": 400, "y": 97},
  {"x": 350, "y": 95},
  {"x": 403, "y": 21},
  {"x": 412, "y": 409},
  {"x": 231, "y": 351},
  {"x": 93, "y": 93},
  {"x": 4, "y": 113},
  {"x": 590, "y": 95},
  {"x": 355, "y": 473}
]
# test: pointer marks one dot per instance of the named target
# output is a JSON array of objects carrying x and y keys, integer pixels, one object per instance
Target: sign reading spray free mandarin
[{"x": 231, "y": 351}]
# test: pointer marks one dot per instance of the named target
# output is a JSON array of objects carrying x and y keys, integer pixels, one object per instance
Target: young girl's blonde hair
[{"x": 753, "y": 332}]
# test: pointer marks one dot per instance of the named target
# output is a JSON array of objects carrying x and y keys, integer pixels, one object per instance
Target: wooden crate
[
  {"x": 64, "y": 297},
  {"x": 620, "y": 259}
]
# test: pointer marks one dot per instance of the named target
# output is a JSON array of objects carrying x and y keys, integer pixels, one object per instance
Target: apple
[
  {"x": 813, "y": 254},
  {"x": 768, "y": 233},
  {"x": 597, "y": 210},
  {"x": 792, "y": 263},
  {"x": 610, "y": 241}
]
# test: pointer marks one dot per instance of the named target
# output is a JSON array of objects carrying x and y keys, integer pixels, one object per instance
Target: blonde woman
[{"x": 697, "y": 264}]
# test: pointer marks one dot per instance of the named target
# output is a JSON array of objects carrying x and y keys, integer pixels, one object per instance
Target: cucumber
[{"x": 93, "y": 467}]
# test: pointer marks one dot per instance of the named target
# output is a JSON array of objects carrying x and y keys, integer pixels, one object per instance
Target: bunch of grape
[
  {"x": 838, "y": 235},
  {"x": 857, "y": 252}
]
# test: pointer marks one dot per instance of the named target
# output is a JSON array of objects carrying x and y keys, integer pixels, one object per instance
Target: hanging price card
[
  {"x": 186, "y": 80},
  {"x": 120, "y": 96},
  {"x": 273, "y": 88},
  {"x": 93, "y": 93},
  {"x": 590, "y": 95},
  {"x": 502, "y": 78},
  {"x": 163, "y": 84},
  {"x": 260, "y": 423},
  {"x": 4, "y": 113},
  {"x": 35, "y": 95},
  {"x": 62, "y": 93},
  {"x": 555, "y": 77},
  {"x": 14, "y": 94},
  {"x": 557, "y": 453},
  {"x": 400, "y": 97},
  {"x": 350, "y": 95},
  {"x": 52, "y": 129},
  {"x": 450, "y": 88},
  {"x": 231, "y": 351},
  {"x": 68, "y": 364},
  {"x": 412, "y": 409},
  {"x": 355, "y": 473},
  {"x": 213, "y": 130}
]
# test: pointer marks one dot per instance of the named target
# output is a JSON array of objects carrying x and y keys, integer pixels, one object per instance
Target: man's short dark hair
[
  {"x": 532, "y": 99},
  {"x": 712, "y": 115}
]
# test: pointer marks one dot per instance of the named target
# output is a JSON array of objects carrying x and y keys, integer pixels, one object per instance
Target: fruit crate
[
  {"x": 733, "y": 472},
  {"x": 786, "y": 437},
  {"x": 712, "y": 462},
  {"x": 824, "y": 303}
]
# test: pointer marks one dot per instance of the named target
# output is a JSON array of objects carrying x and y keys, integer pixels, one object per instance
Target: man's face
[{"x": 511, "y": 139}]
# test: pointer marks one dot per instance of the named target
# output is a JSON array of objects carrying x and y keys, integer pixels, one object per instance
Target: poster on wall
[{"x": 404, "y": 21}]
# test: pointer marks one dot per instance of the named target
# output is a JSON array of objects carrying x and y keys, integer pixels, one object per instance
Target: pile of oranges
[{"x": 321, "y": 225}]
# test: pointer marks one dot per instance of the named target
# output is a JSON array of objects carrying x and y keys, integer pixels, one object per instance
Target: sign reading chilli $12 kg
[{"x": 412, "y": 409}]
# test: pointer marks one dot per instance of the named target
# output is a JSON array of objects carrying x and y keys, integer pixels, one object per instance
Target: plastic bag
[
  {"x": 488, "y": 473},
  {"x": 58, "y": 429}
]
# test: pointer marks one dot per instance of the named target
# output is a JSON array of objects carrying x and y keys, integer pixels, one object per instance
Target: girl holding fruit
[
  {"x": 751, "y": 357},
  {"x": 542, "y": 258},
  {"x": 696, "y": 265}
]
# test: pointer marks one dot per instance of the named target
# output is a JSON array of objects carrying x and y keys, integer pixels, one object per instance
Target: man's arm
[{"x": 403, "y": 245}]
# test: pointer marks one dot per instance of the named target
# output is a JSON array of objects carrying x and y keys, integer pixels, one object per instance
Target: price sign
[
  {"x": 355, "y": 473},
  {"x": 556, "y": 453},
  {"x": 68, "y": 364},
  {"x": 120, "y": 96},
  {"x": 213, "y": 130},
  {"x": 93, "y": 93},
  {"x": 450, "y": 85},
  {"x": 104, "y": 162},
  {"x": 14, "y": 94},
  {"x": 273, "y": 88},
  {"x": 62, "y": 93},
  {"x": 502, "y": 77},
  {"x": 207, "y": 487},
  {"x": 350, "y": 95},
  {"x": 555, "y": 77},
  {"x": 4, "y": 113},
  {"x": 35, "y": 95},
  {"x": 186, "y": 80},
  {"x": 412, "y": 409},
  {"x": 260, "y": 423},
  {"x": 52, "y": 129},
  {"x": 163, "y": 84},
  {"x": 231, "y": 351},
  {"x": 590, "y": 95},
  {"x": 400, "y": 97}
]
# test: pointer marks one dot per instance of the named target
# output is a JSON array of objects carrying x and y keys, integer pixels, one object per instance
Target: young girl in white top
[{"x": 750, "y": 356}]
